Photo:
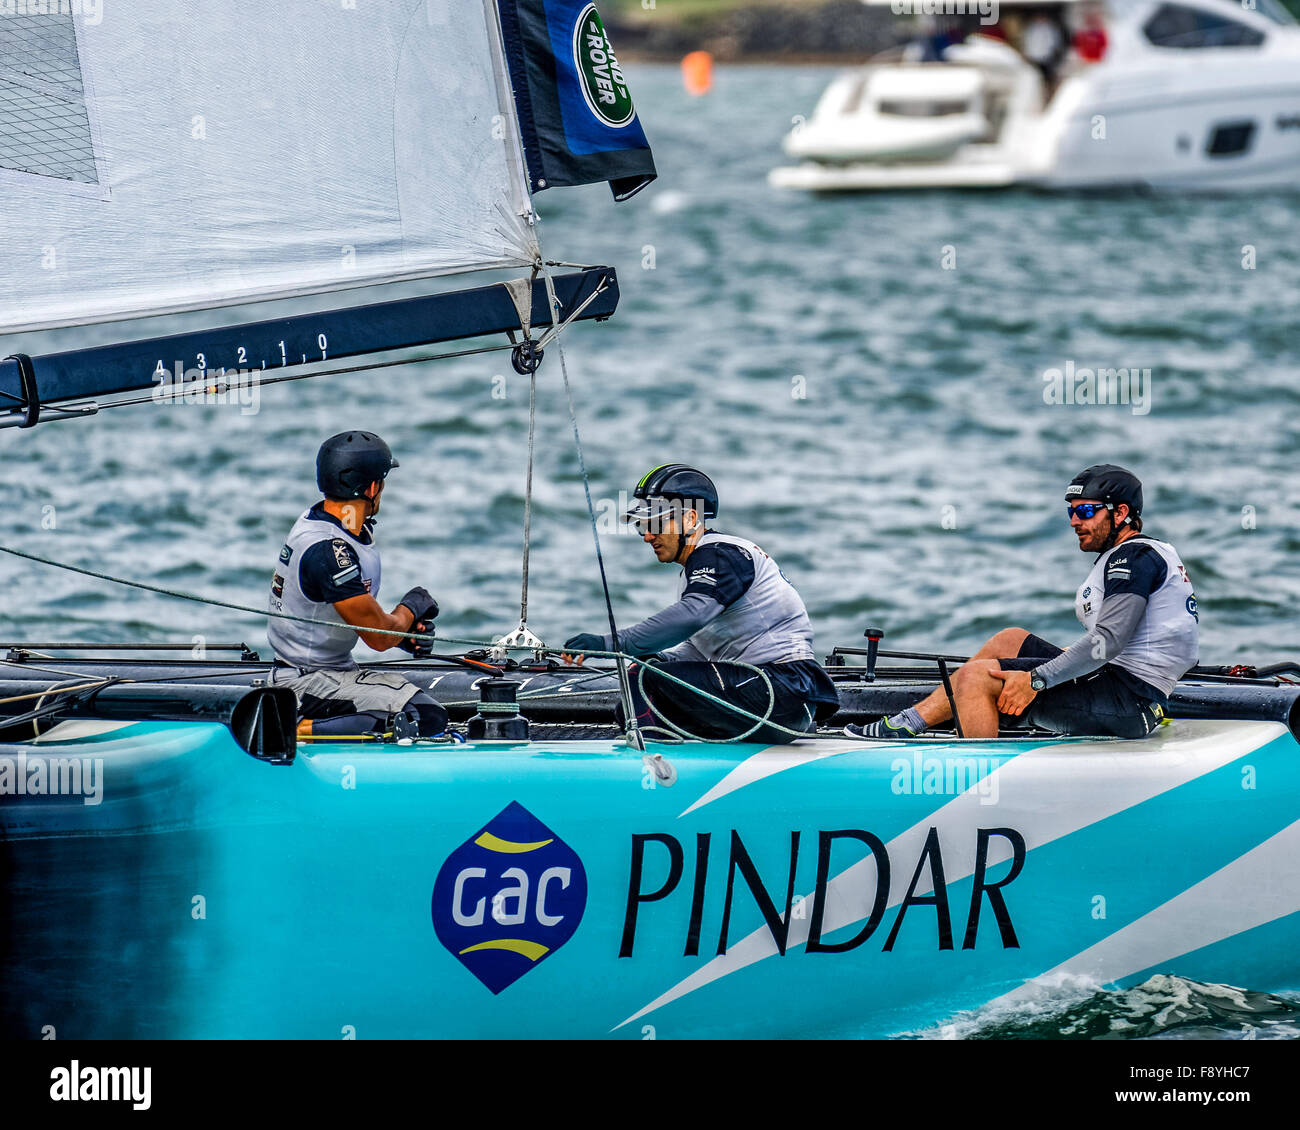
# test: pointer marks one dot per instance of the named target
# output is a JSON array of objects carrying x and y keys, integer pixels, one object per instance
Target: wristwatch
[{"x": 1037, "y": 683}]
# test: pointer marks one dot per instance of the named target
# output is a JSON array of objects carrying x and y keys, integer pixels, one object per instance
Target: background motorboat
[{"x": 1198, "y": 94}]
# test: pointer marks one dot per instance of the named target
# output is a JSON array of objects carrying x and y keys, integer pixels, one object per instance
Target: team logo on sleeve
[
  {"x": 508, "y": 897},
  {"x": 703, "y": 576}
]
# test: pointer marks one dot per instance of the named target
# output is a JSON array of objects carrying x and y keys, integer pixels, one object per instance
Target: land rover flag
[{"x": 576, "y": 114}]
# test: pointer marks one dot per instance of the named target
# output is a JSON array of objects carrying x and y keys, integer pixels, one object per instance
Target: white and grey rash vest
[
  {"x": 734, "y": 604},
  {"x": 321, "y": 563},
  {"x": 1139, "y": 613}
]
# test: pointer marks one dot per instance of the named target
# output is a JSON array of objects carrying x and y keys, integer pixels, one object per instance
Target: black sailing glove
[
  {"x": 421, "y": 604},
  {"x": 423, "y": 609},
  {"x": 585, "y": 641},
  {"x": 421, "y": 649}
]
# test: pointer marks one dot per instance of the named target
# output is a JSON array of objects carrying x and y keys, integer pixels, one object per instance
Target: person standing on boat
[
  {"x": 737, "y": 629},
  {"x": 329, "y": 574},
  {"x": 1043, "y": 44},
  {"x": 1140, "y": 623},
  {"x": 1090, "y": 41}
]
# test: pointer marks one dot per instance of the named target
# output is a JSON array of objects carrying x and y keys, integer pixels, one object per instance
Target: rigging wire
[
  {"x": 528, "y": 494},
  {"x": 625, "y": 685},
  {"x": 180, "y": 594}
]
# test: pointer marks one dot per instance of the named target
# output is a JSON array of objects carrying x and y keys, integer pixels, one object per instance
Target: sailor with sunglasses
[{"x": 1139, "y": 615}]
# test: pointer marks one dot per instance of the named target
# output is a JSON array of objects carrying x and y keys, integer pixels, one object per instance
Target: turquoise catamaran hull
[{"x": 564, "y": 890}]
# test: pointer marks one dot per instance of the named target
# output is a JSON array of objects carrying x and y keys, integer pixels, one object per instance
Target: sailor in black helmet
[
  {"x": 735, "y": 606},
  {"x": 329, "y": 573},
  {"x": 1139, "y": 616}
]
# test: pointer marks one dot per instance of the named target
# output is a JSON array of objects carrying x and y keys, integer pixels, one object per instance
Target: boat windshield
[{"x": 1182, "y": 26}]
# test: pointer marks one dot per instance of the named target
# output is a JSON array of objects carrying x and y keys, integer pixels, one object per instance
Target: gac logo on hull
[{"x": 508, "y": 897}]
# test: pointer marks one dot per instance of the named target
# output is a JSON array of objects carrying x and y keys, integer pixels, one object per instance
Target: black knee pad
[
  {"x": 431, "y": 716},
  {"x": 348, "y": 725}
]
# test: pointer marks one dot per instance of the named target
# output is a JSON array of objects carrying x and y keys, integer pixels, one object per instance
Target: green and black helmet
[{"x": 667, "y": 490}]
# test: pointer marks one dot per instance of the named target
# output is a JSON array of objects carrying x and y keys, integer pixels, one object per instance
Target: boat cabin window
[
  {"x": 1232, "y": 139},
  {"x": 1192, "y": 29},
  {"x": 924, "y": 109}
]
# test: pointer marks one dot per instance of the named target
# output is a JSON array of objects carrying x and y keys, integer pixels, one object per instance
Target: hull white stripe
[
  {"x": 777, "y": 759},
  {"x": 1189, "y": 921},
  {"x": 1037, "y": 797}
]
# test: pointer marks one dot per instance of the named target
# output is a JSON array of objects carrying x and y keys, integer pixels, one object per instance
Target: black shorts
[
  {"x": 1110, "y": 701},
  {"x": 801, "y": 695}
]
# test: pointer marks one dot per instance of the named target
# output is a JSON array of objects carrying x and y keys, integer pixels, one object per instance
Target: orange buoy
[{"x": 697, "y": 73}]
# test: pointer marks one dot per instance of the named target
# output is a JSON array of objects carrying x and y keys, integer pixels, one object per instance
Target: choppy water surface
[
  {"x": 1160, "y": 1008},
  {"x": 923, "y": 388},
  {"x": 873, "y": 419}
]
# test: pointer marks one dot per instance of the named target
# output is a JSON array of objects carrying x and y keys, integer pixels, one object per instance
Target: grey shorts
[{"x": 331, "y": 694}]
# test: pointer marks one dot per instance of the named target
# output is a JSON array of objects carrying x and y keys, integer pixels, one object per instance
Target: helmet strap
[
  {"x": 1116, "y": 528},
  {"x": 684, "y": 540}
]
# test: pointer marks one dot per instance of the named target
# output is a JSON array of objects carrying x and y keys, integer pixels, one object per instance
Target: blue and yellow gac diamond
[{"x": 508, "y": 897}]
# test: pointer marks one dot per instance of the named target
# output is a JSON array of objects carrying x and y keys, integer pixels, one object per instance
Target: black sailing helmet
[
  {"x": 673, "y": 483},
  {"x": 349, "y": 462},
  {"x": 1110, "y": 484}
]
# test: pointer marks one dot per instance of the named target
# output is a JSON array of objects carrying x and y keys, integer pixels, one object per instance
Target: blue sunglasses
[{"x": 1086, "y": 510}]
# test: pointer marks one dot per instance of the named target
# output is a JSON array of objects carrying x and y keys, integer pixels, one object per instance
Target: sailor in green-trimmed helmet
[{"x": 738, "y": 630}]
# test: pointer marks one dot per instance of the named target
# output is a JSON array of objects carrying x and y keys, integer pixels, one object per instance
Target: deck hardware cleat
[
  {"x": 404, "y": 727},
  {"x": 520, "y": 639},
  {"x": 874, "y": 636}
]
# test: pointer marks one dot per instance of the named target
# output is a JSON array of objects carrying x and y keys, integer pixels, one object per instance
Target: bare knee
[
  {"x": 977, "y": 674},
  {"x": 1005, "y": 644}
]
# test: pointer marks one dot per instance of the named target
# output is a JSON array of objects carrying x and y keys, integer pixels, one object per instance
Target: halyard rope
[{"x": 624, "y": 682}]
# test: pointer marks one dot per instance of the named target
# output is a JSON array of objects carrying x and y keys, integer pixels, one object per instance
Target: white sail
[{"x": 162, "y": 155}]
